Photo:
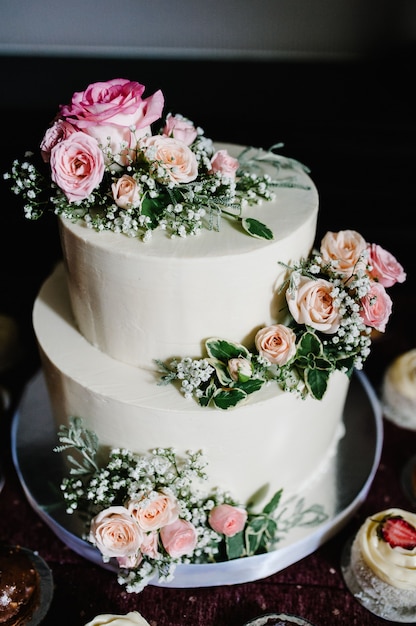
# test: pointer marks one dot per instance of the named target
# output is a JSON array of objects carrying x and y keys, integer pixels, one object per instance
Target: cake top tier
[{"x": 110, "y": 159}]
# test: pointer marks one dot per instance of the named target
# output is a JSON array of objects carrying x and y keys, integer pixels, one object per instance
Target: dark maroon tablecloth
[{"x": 312, "y": 588}]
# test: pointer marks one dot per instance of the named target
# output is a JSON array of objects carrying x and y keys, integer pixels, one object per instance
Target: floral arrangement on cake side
[
  {"x": 101, "y": 162},
  {"x": 145, "y": 514},
  {"x": 335, "y": 299}
]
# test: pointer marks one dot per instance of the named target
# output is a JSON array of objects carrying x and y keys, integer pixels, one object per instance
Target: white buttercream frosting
[
  {"x": 396, "y": 566},
  {"x": 399, "y": 390}
]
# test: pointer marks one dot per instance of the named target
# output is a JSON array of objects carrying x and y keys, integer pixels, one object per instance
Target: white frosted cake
[
  {"x": 399, "y": 390},
  {"x": 191, "y": 316}
]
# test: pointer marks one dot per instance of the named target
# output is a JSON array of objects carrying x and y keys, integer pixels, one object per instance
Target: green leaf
[
  {"x": 222, "y": 372},
  {"x": 235, "y": 546},
  {"x": 224, "y": 350},
  {"x": 257, "y": 229},
  {"x": 271, "y": 506},
  {"x": 151, "y": 209},
  {"x": 229, "y": 398},
  {"x": 310, "y": 344},
  {"x": 317, "y": 381},
  {"x": 251, "y": 386}
]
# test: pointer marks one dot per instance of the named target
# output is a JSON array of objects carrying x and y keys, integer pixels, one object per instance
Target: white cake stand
[{"x": 348, "y": 478}]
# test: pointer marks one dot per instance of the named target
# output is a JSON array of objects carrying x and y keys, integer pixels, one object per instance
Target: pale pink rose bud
[
  {"x": 179, "y": 538},
  {"x": 376, "y": 307},
  {"x": 115, "y": 533},
  {"x": 110, "y": 110},
  {"x": 384, "y": 266},
  {"x": 176, "y": 159},
  {"x": 312, "y": 304},
  {"x": 77, "y": 166},
  {"x": 227, "y": 520},
  {"x": 240, "y": 369},
  {"x": 150, "y": 545},
  {"x": 225, "y": 164},
  {"x": 130, "y": 562},
  {"x": 154, "y": 510},
  {"x": 59, "y": 131},
  {"x": 276, "y": 343},
  {"x": 125, "y": 192},
  {"x": 180, "y": 128},
  {"x": 346, "y": 249}
]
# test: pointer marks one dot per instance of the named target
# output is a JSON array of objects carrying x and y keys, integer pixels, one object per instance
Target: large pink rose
[
  {"x": 171, "y": 160},
  {"x": 77, "y": 166},
  {"x": 227, "y": 520},
  {"x": 225, "y": 164},
  {"x": 179, "y": 538},
  {"x": 125, "y": 192},
  {"x": 376, "y": 307},
  {"x": 154, "y": 510},
  {"x": 345, "y": 249},
  {"x": 110, "y": 110},
  {"x": 313, "y": 304},
  {"x": 116, "y": 533},
  {"x": 384, "y": 266},
  {"x": 277, "y": 343},
  {"x": 180, "y": 128},
  {"x": 59, "y": 131}
]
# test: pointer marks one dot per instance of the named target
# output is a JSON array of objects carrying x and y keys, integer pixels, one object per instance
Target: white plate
[{"x": 349, "y": 477}]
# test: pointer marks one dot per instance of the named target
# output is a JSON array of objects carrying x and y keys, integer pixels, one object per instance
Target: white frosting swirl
[
  {"x": 402, "y": 374},
  {"x": 395, "y": 566}
]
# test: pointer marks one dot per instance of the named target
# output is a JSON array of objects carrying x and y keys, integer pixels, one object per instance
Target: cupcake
[
  {"x": 399, "y": 390},
  {"x": 379, "y": 567}
]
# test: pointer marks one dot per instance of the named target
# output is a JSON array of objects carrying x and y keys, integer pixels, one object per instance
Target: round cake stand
[{"x": 347, "y": 479}]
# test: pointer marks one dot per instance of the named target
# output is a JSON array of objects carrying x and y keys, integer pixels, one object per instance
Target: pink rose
[
  {"x": 240, "y": 369},
  {"x": 59, "y": 131},
  {"x": 131, "y": 561},
  {"x": 277, "y": 343},
  {"x": 77, "y": 166},
  {"x": 180, "y": 128},
  {"x": 376, "y": 307},
  {"x": 116, "y": 533},
  {"x": 171, "y": 160},
  {"x": 313, "y": 304},
  {"x": 110, "y": 110},
  {"x": 384, "y": 266},
  {"x": 345, "y": 249},
  {"x": 179, "y": 538},
  {"x": 154, "y": 510},
  {"x": 227, "y": 520},
  {"x": 225, "y": 164},
  {"x": 125, "y": 192}
]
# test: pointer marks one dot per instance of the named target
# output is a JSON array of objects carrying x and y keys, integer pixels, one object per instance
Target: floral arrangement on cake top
[
  {"x": 335, "y": 299},
  {"x": 101, "y": 162},
  {"x": 145, "y": 515}
]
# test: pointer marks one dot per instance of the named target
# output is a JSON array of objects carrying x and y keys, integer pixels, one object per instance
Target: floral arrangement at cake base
[
  {"x": 335, "y": 299},
  {"x": 100, "y": 161},
  {"x": 144, "y": 512}
]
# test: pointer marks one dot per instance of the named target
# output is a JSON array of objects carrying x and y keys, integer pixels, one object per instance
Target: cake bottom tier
[{"x": 275, "y": 441}]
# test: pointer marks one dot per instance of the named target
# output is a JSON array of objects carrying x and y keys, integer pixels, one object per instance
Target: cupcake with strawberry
[{"x": 380, "y": 566}]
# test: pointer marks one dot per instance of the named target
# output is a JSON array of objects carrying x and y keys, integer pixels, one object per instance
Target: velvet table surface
[{"x": 312, "y": 588}]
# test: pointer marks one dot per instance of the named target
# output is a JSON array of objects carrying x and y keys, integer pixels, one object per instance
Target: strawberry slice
[{"x": 397, "y": 532}]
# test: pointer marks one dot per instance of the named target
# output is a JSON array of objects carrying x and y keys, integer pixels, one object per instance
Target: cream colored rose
[
  {"x": 154, "y": 510},
  {"x": 170, "y": 159},
  {"x": 345, "y": 249},
  {"x": 277, "y": 343},
  {"x": 125, "y": 192},
  {"x": 130, "y": 619},
  {"x": 115, "y": 533},
  {"x": 312, "y": 304}
]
